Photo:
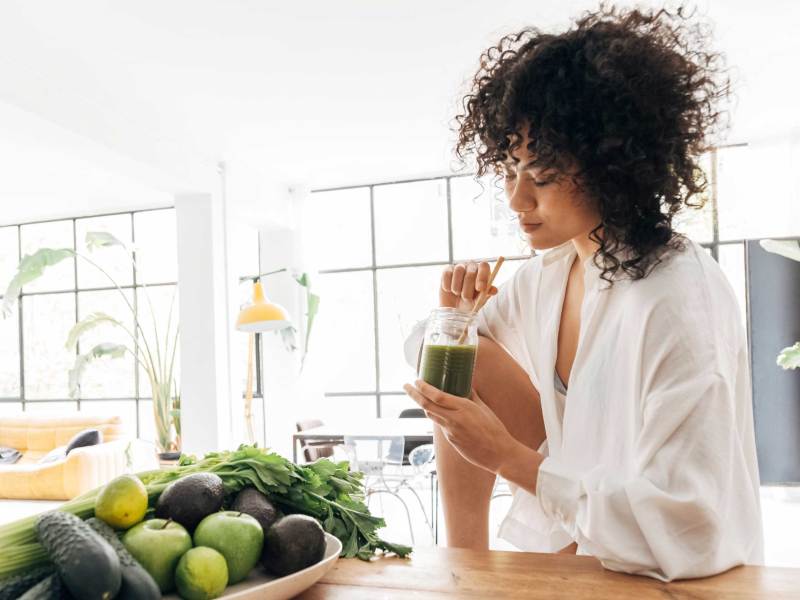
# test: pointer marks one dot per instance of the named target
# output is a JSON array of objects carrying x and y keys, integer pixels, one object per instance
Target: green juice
[{"x": 448, "y": 368}]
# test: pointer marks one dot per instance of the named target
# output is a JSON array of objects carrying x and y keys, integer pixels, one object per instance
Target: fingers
[
  {"x": 425, "y": 403},
  {"x": 436, "y": 419},
  {"x": 439, "y": 397},
  {"x": 468, "y": 289},
  {"x": 457, "y": 282},
  {"x": 482, "y": 279},
  {"x": 447, "y": 278}
]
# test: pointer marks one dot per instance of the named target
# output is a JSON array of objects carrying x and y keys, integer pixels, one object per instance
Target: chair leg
[
  {"x": 407, "y": 486},
  {"x": 405, "y": 506}
]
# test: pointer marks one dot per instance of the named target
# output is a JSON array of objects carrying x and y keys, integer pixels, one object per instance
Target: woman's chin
[{"x": 542, "y": 242}]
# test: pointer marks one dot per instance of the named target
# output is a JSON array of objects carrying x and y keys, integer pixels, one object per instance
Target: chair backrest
[
  {"x": 412, "y": 413},
  {"x": 312, "y": 452},
  {"x": 308, "y": 424}
]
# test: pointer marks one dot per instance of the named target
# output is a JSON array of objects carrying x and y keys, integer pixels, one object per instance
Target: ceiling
[{"x": 313, "y": 93}]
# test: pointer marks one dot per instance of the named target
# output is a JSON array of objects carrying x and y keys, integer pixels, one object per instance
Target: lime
[
  {"x": 122, "y": 503},
  {"x": 202, "y": 573}
]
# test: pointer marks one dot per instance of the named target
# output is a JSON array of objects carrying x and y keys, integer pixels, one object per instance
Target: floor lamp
[{"x": 255, "y": 317}]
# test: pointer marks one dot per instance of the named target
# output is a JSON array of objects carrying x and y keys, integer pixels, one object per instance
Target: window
[
  {"x": 33, "y": 360},
  {"x": 381, "y": 248}
]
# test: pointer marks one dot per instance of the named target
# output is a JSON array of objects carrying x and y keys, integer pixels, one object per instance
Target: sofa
[{"x": 81, "y": 470}]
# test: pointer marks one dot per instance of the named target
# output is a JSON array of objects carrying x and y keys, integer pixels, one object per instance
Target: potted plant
[{"x": 154, "y": 352}]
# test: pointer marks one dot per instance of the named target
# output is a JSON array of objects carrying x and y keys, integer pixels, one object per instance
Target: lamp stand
[{"x": 248, "y": 398}]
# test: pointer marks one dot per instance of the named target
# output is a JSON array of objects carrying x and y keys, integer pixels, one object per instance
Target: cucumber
[
  {"x": 137, "y": 584},
  {"x": 13, "y": 587},
  {"x": 49, "y": 588},
  {"x": 87, "y": 564}
]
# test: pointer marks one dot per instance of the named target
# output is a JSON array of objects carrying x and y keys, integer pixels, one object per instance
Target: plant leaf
[
  {"x": 87, "y": 324},
  {"x": 101, "y": 239},
  {"x": 785, "y": 248},
  {"x": 312, "y": 308},
  {"x": 789, "y": 358},
  {"x": 82, "y": 361},
  {"x": 289, "y": 338},
  {"x": 30, "y": 268}
]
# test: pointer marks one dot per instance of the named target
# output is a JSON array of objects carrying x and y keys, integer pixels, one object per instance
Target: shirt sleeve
[{"x": 685, "y": 507}]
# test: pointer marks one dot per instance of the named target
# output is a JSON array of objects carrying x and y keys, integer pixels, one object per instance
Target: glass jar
[{"x": 449, "y": 350}]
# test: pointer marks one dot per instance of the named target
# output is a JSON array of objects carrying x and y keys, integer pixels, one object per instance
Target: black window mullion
[
  {"x": 714, "y": 205},
  {"x": 136, "y": 392},
  {"x": 375, "y": 303},
  {"x": 20, "y": 336},
  {"x": 75, "y": 285},
  {"x": 449, "y": 223}
]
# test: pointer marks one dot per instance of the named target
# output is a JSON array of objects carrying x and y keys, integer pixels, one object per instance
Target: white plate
[{"x": 268, "y": 587}]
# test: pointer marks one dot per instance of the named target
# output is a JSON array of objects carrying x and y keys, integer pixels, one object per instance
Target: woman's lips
[{"x": 530, "y": 227}]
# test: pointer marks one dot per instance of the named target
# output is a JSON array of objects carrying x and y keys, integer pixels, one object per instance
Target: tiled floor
[{"x": 780, "y": 507}]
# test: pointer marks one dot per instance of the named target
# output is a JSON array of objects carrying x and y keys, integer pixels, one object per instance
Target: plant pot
[{"x": 167, "y": 456}]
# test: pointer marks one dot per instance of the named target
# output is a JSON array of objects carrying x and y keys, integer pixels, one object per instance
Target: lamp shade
[{"x": 261, "y": 314}]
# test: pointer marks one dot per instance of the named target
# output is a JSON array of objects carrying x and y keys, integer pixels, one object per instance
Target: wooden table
[
  {"x": 442, "y": 573},
  {"x": 413, "y": 430}
]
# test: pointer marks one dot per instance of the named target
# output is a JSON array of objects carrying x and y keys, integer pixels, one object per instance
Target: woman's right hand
[{"x": 463, "y": 283}]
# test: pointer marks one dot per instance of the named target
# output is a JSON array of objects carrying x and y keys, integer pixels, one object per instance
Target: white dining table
[{"x": 413, "y": 430}]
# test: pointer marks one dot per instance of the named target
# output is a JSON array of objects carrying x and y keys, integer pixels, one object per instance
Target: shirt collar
[{"x": 565, "y": 254}]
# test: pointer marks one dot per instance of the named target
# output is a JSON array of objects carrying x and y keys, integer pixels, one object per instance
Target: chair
[
  {"x": 386, "y": 472},
  {"x": 408, "y": 446},
  {"x": 314, "y": 450}
]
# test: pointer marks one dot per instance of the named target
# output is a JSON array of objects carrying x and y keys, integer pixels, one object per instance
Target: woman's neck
[{"x": 584, "y": 246}]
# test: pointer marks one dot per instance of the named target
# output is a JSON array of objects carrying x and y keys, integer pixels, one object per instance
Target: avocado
[
  {"x": 191, "y": 499},
  {"x": 293, "y": 543},
  {"x": 137, "y": 584},
  {"x": 13, "y": 587},
  {"x": 87, "y": 564},
  {"x": 252, "y": 502}
]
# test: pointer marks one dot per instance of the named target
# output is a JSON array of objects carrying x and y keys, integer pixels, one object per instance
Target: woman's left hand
[{"x": 467, "y": 423}]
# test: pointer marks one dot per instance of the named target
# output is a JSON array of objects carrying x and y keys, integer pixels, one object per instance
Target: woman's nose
[{"x": 520, "y": 199}]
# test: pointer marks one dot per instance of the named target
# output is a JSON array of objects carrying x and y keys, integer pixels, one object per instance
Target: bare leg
[{"x": 465, "y": 488}]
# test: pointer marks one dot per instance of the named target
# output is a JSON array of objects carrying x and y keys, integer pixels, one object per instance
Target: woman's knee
[
  {"x": 496, "y": 370},
  {"x": 508, "y": 390}
]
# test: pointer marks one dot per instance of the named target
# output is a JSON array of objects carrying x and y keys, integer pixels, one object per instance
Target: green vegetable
[
  {"x": 14, "y": 587},
  {"x": 87, "y": 564},
  {"x": 49, "y": 588},
  {"x": 137, "y": 584},
  {"x": 324, "y": 490}
]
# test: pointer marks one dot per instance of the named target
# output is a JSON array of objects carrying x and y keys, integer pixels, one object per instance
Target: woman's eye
[{"x": 542, "y": 183}]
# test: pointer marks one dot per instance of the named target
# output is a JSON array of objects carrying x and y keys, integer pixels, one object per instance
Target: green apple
[
  {"x": 158, "y": 545},
  {"x": 235, "y": 535}
]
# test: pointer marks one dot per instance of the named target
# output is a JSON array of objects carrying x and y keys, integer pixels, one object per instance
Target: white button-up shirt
[{"x": 652, "y": 467}]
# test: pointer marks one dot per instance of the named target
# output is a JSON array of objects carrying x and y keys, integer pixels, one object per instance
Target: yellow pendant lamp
[{"x": 260, "y": 315}]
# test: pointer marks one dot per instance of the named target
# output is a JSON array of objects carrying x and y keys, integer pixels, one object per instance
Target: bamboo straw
[{"x": 483, "y": 298}]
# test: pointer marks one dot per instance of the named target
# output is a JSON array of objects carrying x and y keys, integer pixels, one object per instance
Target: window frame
[
  {"x": 713, "y": 246},
  {"x": 76, "y": 290}
]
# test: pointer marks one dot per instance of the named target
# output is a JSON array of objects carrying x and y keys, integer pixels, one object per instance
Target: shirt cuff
[
  {"x": 558, "y": 489},
  {"x": 413, "y": 344}
]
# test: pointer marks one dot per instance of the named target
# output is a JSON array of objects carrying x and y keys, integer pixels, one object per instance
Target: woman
[{"x": 611, "y": 387}]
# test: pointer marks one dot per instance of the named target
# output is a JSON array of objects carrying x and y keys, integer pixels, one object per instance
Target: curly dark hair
[{"x": 629, "y": 96}]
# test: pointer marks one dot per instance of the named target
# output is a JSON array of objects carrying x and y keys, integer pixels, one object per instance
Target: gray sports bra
[{"x": 560, "y": 387}]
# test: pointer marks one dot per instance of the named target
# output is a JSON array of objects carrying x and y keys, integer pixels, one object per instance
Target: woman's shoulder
[{"x": 688, "y": 286}]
